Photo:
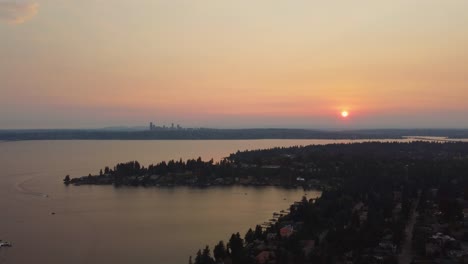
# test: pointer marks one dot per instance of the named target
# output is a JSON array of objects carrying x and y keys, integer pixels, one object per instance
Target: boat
[{"x": 5, "y": 244}]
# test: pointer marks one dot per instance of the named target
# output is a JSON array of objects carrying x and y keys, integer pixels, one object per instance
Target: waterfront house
[
  {"x": 264, "y": 257},
  {"x": 286, "y": 231}
]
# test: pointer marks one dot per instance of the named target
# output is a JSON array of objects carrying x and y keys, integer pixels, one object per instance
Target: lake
[{"x": 103, "y": 224}]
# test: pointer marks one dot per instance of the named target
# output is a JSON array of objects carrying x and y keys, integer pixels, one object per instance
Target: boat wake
[{"x": 22, "y": 187}]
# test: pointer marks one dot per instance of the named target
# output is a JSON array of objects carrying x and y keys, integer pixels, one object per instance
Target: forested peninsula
[{"x": 371, "y": 193}]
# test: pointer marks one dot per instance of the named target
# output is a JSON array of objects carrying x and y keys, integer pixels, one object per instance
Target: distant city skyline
[{"x": 234, "y": 64}]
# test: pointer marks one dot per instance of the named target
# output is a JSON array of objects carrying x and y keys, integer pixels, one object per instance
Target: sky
[{"x": 231, "y": 64}]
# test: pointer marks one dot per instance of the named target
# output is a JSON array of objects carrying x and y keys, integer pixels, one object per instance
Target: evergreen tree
[
  {"x": 219, "y": 251},
  {"x": 198, "y": 258},
  {"x": 206, "y": 256},
  {"x": 249, "y": 236},
  {"x": 236, "y": 245},
  {"x": 258, "y": 232},
  {"x": 67, "y": 179}
]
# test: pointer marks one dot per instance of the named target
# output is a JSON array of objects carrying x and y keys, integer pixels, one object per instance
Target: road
[{"x": 406, "y": 255}]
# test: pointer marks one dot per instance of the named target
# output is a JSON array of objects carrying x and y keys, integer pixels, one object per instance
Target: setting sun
[{"x": 344, "y": 113}]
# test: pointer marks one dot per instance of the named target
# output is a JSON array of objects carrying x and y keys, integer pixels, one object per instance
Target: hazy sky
[{"x": 220, "y": 63}]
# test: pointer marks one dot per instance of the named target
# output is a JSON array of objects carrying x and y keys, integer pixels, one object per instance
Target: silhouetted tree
[
  {"x": 258, "y": 232},
  {"x": 219, "y": 251},
  {"x": 198, "y": 257},
  {"x": 206, "y": 256},
  {"x": 236, "y": 245},
  {"x": 66, "y": 180},
  {"x": 249, "y": 236}
]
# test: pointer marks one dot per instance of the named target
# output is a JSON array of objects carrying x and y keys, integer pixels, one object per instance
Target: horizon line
[{"x": 241, "y": 128}]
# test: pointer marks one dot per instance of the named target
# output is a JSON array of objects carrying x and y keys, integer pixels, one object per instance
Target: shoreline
[{"x": 227, "y": 134}]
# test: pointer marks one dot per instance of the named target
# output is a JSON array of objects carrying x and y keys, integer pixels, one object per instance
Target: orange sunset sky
[{"x": 212, "y": 63}]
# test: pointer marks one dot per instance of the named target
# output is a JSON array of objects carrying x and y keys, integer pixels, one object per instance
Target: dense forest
[
  {"x": 309, "y": 166},
  {"x": 370, "y": 193},
  {"x": 375, "y": 191}
]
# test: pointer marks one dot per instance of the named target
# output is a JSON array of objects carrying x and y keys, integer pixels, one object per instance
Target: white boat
[{"x": 5, "y": 244}]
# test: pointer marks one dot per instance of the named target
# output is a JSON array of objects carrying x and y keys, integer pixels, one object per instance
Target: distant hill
[
  {"x": 125, "y": 128},
  {"x": 122, "y": 133}
]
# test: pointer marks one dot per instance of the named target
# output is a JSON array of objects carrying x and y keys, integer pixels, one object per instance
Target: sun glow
[{"x": 344, "y": 114}]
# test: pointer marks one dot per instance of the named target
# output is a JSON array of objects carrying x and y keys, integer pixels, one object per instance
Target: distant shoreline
[{"x": 229, "y": 134}]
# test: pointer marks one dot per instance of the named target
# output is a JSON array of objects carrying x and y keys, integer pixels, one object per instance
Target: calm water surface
[{"x": 103, "y": 224}]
